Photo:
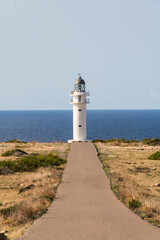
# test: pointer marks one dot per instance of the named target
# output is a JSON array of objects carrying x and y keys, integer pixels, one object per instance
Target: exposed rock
[
  {"x": 5, "y": 171},
  {"x": 19, "y": 153}
]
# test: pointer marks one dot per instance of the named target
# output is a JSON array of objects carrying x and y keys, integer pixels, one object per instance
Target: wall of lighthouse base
[
  {"x": 74, "y": 141},
  {"x": 79, "y": 122}
]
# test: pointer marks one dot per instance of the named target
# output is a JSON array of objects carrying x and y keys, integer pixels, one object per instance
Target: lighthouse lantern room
[{"x": 79, "y": 101}]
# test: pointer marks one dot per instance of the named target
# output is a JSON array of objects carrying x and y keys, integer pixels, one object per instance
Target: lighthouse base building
[{"x": 79, "y": 101}]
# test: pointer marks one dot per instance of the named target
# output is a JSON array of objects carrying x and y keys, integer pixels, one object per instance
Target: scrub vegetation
[
  {"x": 134, "y": 175},
  {"x": 28, "y": 183},
  {"x": 115, "y": 140},
  {"x": 14, "y": 152},
  {"x": 151, "y": 141},
  {"x": 15, "y": 141},
  {"x": 155, "y": 156},
  {"x": 147, "y": 141},
  {"x": 32, "y": 162}
]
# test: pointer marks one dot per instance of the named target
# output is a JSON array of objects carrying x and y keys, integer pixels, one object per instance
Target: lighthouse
[{"x": 79, "y": 101}]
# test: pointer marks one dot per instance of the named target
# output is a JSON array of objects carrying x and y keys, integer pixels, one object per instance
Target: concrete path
[{"x": 86, "y": 209}]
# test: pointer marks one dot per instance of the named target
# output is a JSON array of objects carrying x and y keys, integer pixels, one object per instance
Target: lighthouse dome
[
  {"x": 79, "y": 81},
  {"x": 79, "y": 85}
]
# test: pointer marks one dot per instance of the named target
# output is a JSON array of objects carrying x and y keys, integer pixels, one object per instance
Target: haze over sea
[{"x": 49, "y": 126}]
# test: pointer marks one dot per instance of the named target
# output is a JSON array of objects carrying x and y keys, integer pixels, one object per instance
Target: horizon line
[{"x": 116, "y": 109}]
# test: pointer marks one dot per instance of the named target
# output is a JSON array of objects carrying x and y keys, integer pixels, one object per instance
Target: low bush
[
  {"x": 98, "y": 140},
  {"x": 6, "y": 212},
  {"x": 3, "y": 236},
  {"x": 15, "y": 141},
  {"x": 151, "y": 141},
  {"x": 25, "y": 212},
  {"x": 22, "y": 213},
  {"x": 31, "y": 162},
  {"x": 121, "y": 140},
  {"x": 110, "y": 140},
  {"x": 155, "y": 156},
  {"x": 26, "y": 188},
  {"x": 14, "y": 152},
  {"x": 133, "y": 204}
]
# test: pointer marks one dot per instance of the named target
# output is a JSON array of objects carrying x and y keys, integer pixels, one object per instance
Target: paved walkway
[{"x": 86, "y": 209}]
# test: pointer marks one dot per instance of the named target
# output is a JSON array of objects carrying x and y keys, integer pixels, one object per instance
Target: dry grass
[
  {"x": 58, "y": 148},
  {"x": 133, "y": 176},
  {"x": 26, "y": 196}
]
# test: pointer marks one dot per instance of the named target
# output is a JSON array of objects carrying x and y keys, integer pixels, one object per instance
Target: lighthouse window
[
  {"x": 79, "y": 98},
  {"x": 79, "y": 110},
  {"x": 80, "y": 87},
  {"x": 79, "y": 125}
]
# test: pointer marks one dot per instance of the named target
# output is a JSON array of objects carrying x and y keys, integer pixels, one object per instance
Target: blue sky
[{"x": 44, "y": 44}]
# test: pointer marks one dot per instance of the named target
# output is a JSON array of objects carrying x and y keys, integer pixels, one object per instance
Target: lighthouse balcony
[
  {"x": 77, "y": 102},
  {"x": 77, "y": 93}
]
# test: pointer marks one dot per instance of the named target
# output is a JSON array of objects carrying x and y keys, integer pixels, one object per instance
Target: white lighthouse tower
[{"x": 79, "y": 102}]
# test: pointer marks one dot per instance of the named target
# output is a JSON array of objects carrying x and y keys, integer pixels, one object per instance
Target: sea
[{"x": 56, "y": 125}]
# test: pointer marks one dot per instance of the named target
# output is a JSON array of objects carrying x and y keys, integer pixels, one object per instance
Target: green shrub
[
  {"x": 110, "y": 140},
  {"x": 31, "y": 162},
  {"x": 26, "y": 212},
  {"x": 151, "y": 141},
  {"x": 49, "y": 198},
  {"x": 26, "y": 188},
  {"x": 98, "y": 140},
  {"x": 121, "y": 140},
  {"x": 15, "y": 141},
  {"x": 128, "y": 140},
  {"x": 155, "y": 156},
  {"x": 133, "y": 204},
  {"x": 6, "y": 212},
  {"x": 14, "y": 152}
]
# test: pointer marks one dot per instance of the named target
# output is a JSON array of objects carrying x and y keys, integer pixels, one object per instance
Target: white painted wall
[
  {"x": 79, "y": 102},
  {"x": 79, "y": 118}
]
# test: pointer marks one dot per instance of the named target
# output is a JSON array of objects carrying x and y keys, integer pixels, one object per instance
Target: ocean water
[{"x": 49, "y": 126}]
